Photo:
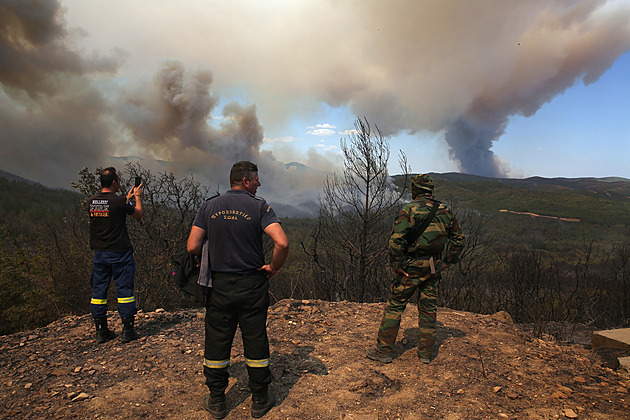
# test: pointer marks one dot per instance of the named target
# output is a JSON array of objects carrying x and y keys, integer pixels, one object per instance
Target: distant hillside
[
  {"x": 610, "y": 186},
  {"x": 11, "y": 177},
  {"x": 589, "y": 199},
  {"x": 26, "y": 203},
  {"x": 491, "y": 193},
  {"x": 601, "y": 205}
]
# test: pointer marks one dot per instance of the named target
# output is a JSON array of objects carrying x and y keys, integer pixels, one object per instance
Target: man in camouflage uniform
[{"x": 417, "y": 266}]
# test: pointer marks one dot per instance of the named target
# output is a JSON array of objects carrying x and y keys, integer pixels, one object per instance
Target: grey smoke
[
  {"x": 50, "y": 110},
  {"x": 577, "y": 42},
  {"x": 461, "y": 68},
  {"x": 469, "y": 66},
  {"x": 61, "y": 109}
]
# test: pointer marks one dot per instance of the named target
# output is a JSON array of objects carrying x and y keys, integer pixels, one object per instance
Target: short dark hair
[
  {"x": 108, "y": 176},
  {"x": 240, "y": 170}
]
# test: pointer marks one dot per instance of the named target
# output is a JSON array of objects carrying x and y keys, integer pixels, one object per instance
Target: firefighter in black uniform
[{"x": 233, "y": 224}]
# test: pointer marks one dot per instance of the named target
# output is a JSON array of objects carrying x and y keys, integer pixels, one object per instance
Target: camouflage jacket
[{"x": 443, "y": 228}]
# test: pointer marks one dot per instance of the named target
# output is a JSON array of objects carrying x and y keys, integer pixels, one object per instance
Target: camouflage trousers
[{"x": 401, "y": 291}]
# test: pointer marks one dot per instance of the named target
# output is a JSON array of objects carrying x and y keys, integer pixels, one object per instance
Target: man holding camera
[{"x": 113, "y": 253}]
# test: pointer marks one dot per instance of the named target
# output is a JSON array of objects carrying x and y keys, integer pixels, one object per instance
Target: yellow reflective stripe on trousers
[
  {"x": 98, "y": 301},
  {"x": 216, "y": 364},
  {"x": 127, "y": 299},
  {"x": 257, "y": 363}
]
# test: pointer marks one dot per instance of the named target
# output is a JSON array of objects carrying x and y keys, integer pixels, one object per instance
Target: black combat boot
[
  {"x": 128, "y": 333},
  {"x": 103, "y": 333},
  {"x": 262, "y": 402},
  {"x": 215, "y": 405}
]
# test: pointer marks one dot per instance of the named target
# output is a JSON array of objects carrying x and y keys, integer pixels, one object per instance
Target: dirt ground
[{"x": 485, "y": 367}]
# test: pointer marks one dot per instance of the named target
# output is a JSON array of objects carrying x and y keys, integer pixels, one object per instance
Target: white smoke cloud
[
  {"x": 457, "y": 67},
  {"x": 63, "y": 109}
]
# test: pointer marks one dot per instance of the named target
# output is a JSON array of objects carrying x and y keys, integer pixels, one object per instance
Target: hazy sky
[{"x": 497, "y": 88}]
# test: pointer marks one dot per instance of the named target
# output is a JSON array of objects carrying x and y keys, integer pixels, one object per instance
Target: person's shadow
[
  {"x": 410, "y": 338},
  {"x": 166, "y": 323},
  {"x": 286, "y": 369}
]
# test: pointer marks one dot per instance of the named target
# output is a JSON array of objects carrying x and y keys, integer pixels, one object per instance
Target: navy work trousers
[{"x": 120, "y": 267}]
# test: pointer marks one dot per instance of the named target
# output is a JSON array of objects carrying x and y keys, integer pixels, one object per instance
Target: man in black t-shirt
[
  {"x": 233, "y": 224},
  {"x": 113, "y": 254}
]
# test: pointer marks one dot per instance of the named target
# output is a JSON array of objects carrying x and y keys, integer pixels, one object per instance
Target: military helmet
[{"x": 421, "y": 184}]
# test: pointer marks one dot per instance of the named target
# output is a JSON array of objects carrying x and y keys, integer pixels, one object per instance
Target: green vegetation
[
  {"x": 25, "y": 206},
  {"x": 537, "y": 269},
  {"x": 602, "y": 206},
  {"x": 588, "y": 206}
]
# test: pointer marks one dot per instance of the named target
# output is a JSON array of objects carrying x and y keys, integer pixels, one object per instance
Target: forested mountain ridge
[
  {"x": 601, "y": 204},
  {"x": 613, "y": 187},
  {"x": 25, "y": 203},
  {"x": 590, "y": 199},
  {"x": 11, "y": 177}
]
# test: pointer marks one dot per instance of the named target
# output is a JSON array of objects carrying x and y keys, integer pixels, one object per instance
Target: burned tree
[{"x": 357, "y": 210}]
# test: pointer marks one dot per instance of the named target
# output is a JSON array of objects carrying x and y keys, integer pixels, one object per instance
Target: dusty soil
[{"x": 484, "y": 368}]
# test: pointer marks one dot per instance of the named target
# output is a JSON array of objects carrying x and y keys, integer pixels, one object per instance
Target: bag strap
[{"x": 417, "y": 230}]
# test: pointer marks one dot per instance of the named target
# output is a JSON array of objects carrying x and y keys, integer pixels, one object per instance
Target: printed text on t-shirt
[
  {"x": 99, "y": 208},
  {"x": 230, "y": 215}
]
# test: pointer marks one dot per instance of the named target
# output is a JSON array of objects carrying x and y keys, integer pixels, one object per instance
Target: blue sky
[
  {"x": 583, "y": 132},
  {"x": 491, "y": 87}
]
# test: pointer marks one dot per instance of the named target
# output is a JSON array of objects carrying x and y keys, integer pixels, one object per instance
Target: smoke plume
[
  {"x": 51, "y": 114},
  {"x": 460, "y": 68},
  {"x": 465, "y": 67},
  {"x": 61, "y": 110}
]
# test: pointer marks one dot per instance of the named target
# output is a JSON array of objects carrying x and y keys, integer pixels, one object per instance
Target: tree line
[{"x": 341, "y": 255}]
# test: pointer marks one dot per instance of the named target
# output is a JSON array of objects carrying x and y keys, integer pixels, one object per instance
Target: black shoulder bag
[{"x": 417, "y": 230}]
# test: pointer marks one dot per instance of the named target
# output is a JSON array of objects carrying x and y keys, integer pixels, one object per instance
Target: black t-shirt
[
  {"x": 108, "y": 230},
  {"x": 234, "y": 223}
]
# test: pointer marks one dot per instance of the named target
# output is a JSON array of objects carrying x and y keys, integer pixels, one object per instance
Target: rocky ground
[{"x": 485, "y": 367}]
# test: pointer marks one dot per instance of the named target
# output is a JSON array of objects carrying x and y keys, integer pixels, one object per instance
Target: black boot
[
  {"x": 128, "y": 333},
  {"x": 103, "y": 333},
  {"x": 262, "y": 402},
  {"x": 215, "y": 405}
]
